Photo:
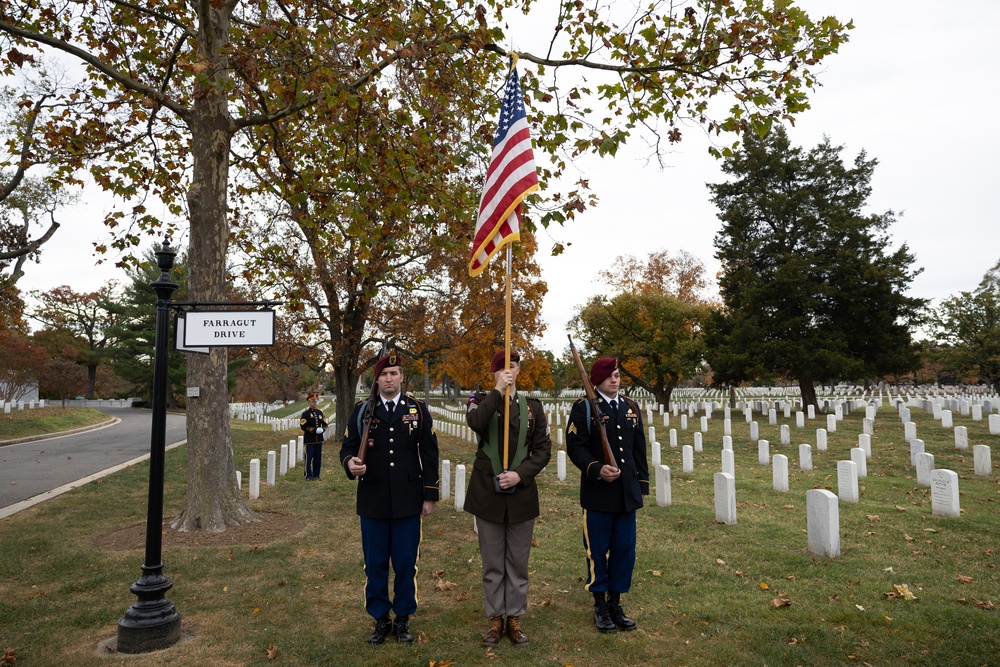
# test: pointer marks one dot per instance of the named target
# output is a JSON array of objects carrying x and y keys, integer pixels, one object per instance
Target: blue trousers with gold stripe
[
  {"x": 398, "y": 541},
  {"x": 609, "y": 540}
]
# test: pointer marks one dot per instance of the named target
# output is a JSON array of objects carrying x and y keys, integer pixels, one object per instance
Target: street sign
[
  {"x": 180, "y": 324},
  {"x": 228, "y": 328}
]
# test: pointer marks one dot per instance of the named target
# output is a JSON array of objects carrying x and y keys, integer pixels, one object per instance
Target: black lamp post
[{"x": 152, "y": 622}]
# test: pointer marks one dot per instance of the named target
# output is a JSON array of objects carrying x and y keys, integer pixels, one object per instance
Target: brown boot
[
  {"x": 495, "y": 631},
  {"x": 514, "y": 631}
]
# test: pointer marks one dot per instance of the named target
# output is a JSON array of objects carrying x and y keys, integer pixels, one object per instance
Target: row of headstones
[
  {"x": 276, "y": 464},
  {"x": 8, "y": 406}
]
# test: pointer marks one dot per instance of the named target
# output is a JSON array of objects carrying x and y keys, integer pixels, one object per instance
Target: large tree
[
  {"x": 969, "y": 323},
  {"x": 89, "y": 317},
  {"x": 171, "y": 86},
  {"x": 652, "y": 321},
  {"x": 812, "y": 289}
]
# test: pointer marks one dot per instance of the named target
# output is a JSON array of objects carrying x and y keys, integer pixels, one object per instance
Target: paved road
[{"x": 33, "y": 468}]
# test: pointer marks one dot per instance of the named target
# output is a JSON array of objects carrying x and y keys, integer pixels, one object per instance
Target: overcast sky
[{"x": 916, "y": 87}]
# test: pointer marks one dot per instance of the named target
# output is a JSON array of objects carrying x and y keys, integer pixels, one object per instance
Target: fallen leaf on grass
[
  {"x": 271, "y": 652},
  {"x": 788, "y": 507},
  {"x": 930, "y": 530},
  {"x": 9, "y": 657},
  {"x": 763, "y": 586},
  {"x": 443, "y": 585},
  {"x": 889, "y": 570},
  {"x": 984, "y": 604},
  {"x": 740, "y": 573},
  {"x": 872, "y": 517},
  {"x": 534, "y": 542},
  {"x": 778, "y": 603},
  {"x": 437, "y": 574},
  {"x": 860, "y": 608},
  {"x": 720, "y": 561},
  {"x": 900, "y": 591},
  {"x": 441, "y": 663},
  {"x": 794, "y": 641},
  {"x": 656, "y": 573},
  {"x": 907, "y": 537},
  {"x": 964, "y": 579},
  {"x": 461, "y": 597}
]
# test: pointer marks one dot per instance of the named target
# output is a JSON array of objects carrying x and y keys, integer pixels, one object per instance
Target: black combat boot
[
  {"x": 602, "y": 616},
  {"x": 401, "y": 628},
  {"x": 617, "y": 615},
  {"x": 381, "y": 631}
]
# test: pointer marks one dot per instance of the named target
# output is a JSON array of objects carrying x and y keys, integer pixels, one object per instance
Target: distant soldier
[
  {"x": 503, "y": 497},
  {"x": 313, "y": 425},
  {"x": 609, "y": 495},
  {"x": 398, "y": 485}
]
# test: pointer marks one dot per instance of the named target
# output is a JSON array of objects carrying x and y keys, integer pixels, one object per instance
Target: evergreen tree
[
  {"x": 811, "y": 289},
  {"x": 969, "y": 323}
]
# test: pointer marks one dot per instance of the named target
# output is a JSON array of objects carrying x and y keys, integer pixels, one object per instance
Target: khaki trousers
[{"x": 505, "y": 548}]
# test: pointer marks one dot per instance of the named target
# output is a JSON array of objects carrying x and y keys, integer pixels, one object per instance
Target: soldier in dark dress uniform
[
  {"x": 609, "y": 495},
  {"x": 506, "y": 509},
  {"x": 313, "y": 425},
  {"x": 397, "y": 487}
]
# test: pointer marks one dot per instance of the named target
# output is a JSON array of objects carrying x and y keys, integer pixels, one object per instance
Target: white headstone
[
  {"x": 779, "y": 472},
  {"x": 666, "y": 419},
  {"x": 811, "y": 411},
  {"x": 684, "y": 422},
  {"x": 772, "y": 417},
  {"x": 754, "y": 431},
  {"x": 697, "y": 442},
  {"x": 800, "y": 419},
  {"x": 944, "y": 493},
  {"x": 725, "y": 498},
  {"x": 946, "y": 419},
  {"x": 982, "y": 460},
  {"x": 858, "y": 456},
  {"x": 302, "y": 447},
  {"x": 727, "y": 426},
  {"x": 657, "y": 454},
  {"x": 561, "y": 465},
  {"x": 763, "y": 452},
  {"x": 727, "y": 442},
  {"x": 909, "y": 430},
  {"x": 994, "y": 421},
  {"x": 821, "y": 440},
  {"x": 687, "y": 458},
  {"x": 847, "y": 481},
  {"x": 831, "y": 423},
  {"x": 271, "y": 456},
  {"x": 445, "y": 479},
  {"x": 865, "y": 443},
  {"x": 652, "y": 434},
  {"x": 925, "y": 465},
  {"x": 916, "y": 448},
  {"x": 292, "y": 448},
  {"x": 239, "y": 480},
  {"x": 663, "y": 495},
  {"x": 977, "y": 413},
  {"x": 786, "y": 436},
  {"x": 805, "y": 457},
  {"x": 254, "y": 479},
  {"x": 673, "y": 437},
  {"x": 728, "y": 462},
  {"x": 868, "y": 426},
  {"x": 460, "y": 488},
  {"x": 823, "y": 522},
  {"x": 704, "y": 424},
  {"x": 961, "y": 437},
  {"x": 283, "y": 461}
]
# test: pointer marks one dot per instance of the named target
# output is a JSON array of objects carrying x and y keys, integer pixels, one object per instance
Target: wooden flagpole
[{"x": 506, "y": 353}]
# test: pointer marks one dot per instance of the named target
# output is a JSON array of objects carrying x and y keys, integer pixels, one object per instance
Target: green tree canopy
[
  {"x": 812, "y": 290},
  {"x": 969, "y": 323}
]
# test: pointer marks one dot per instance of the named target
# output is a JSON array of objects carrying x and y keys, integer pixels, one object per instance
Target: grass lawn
[
  {"x": 50, "y": 419},
  {"x": 703, "y": 593}
]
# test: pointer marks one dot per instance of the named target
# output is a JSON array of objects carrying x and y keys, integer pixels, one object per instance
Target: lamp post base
[{"x": 152, "y": 622}]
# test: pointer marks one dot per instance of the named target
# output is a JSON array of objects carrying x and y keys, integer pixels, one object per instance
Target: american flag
[{"x": 509, "y": 178}]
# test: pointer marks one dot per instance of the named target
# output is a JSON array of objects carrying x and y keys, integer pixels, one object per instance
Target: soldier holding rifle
[
  {"x": 391, "y": 448},
  {"x": 605, "y": 440},
  {"x": 502, "y": 494}
]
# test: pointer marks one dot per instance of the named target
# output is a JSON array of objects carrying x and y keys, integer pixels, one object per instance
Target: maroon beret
[
  {"x": 312, "y": 397},
  {"x": 602, "y": 369},
  {"x": 499, "y": 360},
  {"x": 391, "y": 359}
]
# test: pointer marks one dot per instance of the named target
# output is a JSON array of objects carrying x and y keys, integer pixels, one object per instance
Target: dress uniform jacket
[
  {"x": 311, "y": 420},
  {"x": 628, "y": 443},
  {"x": 402, "y": 459},
  {"x": 481, "y": 499}
]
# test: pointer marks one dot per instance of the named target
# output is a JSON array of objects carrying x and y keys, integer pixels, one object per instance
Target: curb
[{"x": 49, "y": 436}]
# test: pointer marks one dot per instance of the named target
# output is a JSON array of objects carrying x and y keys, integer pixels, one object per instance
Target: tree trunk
[
  {"x": 663, "y": 397},
  {"x": 344, "y": 381},
  {"x": 91, "y": 381},
  {"x": 213, "y": 500},
  {"x": 808, "y": 390}
]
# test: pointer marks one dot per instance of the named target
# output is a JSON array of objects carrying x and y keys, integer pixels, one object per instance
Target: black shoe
[
  {"x": 602, "y": 619},
  {"x": 401, "y": 628},
  {"x": 381, "y": 631},
  {"x": 620, "y": 619}
]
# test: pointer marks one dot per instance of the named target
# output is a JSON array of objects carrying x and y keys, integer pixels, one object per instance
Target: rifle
[
  {"x": 595, "y": 406},
  {"x": 366, "y": 415}
]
